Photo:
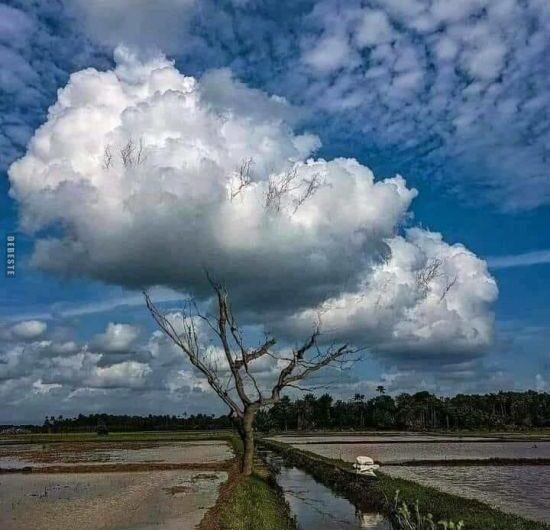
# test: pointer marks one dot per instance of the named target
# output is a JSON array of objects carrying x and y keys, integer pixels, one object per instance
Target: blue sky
[{"x": 452, "y": 97}]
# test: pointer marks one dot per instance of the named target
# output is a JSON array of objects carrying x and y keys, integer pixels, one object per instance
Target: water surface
[
  {"x": 523, "y": 490},
  {"x": 159, "y": 500},
  {"x": 403, "y": 452},
  {"x": 70, "y": 454},
  {"x": 377, "y": 437},
  {"x": 317, "y": 507}
]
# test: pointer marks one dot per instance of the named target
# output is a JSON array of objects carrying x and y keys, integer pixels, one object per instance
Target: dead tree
[{"x": 235, "y": 382}]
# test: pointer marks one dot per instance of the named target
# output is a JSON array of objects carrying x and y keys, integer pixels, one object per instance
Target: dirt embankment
[{"x": 211, "y": 520}]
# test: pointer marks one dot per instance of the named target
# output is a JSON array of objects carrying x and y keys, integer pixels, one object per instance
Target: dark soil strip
[{"x": 474, "y": 462}]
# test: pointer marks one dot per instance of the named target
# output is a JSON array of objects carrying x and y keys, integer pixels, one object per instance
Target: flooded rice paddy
[
  {"x": 523, "y": 490},
  {"x": 70, "y": 454},
  {"x": 66, "y": 498},
  {"x": 520, "y": 489},
  {"x": 167, "y": 500},
  {"x": 315, "y": 506},
  {"x": 378, "y": 437},
  {"x": 446, "y": 450},
  {"x": 85, "y": 497}
]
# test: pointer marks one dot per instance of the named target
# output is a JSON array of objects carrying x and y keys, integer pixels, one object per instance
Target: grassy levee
[
  {"x": 255, "y": 504},
  {"x": 378, "y": 494},
  {"x": 249, "y": 503}
]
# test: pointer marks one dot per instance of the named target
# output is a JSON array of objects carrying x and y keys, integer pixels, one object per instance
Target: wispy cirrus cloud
[{"x": 527, "y": 259}]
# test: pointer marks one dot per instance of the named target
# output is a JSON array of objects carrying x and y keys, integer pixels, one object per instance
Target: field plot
[
  {"x": 167, "y": 500},
  {"x": 101, "y": 453},
  {"x": 406, "y": 452},
  {"x": 378, "y": 437},
  {"x": 109, "y": 484},
  {"x": 523, "y": 490},
  {"x": 519, "y": 489}
]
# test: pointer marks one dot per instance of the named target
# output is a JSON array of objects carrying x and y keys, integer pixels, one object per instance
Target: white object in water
[
  {"x": 364, "y": 465},
  {"x": 364, "y": 461}
]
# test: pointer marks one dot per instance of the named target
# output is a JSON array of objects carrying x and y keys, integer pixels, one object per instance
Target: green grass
[
  {"x": 379, "y": 493},
  {"x": 255, "y": 504},
  {"x": 249, "y": 503}
]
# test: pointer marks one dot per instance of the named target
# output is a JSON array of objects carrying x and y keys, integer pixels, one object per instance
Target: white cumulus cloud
[
  {"x": 156, "y": 176},
  {"x": 428, "y": 298},
  {"x": 117, "y": 338},
  {"x": 29, "y": 329}
]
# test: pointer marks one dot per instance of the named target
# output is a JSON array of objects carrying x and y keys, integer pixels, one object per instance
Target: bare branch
[
  {"x": 132, "y": 155},
  {"x": 243, "y": 178},
  {"x": 426, "y": 275},
  {"x": 188, "y": 342},
  {"x": 224, "y": 319},
  {"x": 141, "y": 153},
  {"x": 328, "y": 358},
  {"x": 448, "y": 287},
  {"x": 312, "y": 185},
  {"x": 257, "y": 353},
  {"x": 127, "y": 154},
  {"x": 431, "y": 271},
  {"x": 107, "y": 157},
  {"x": 278, "y": 187}
]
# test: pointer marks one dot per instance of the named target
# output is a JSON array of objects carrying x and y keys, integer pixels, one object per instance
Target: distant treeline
[
  {"x": 420, "y": 411},
  {"x": 125, "y": 423}
]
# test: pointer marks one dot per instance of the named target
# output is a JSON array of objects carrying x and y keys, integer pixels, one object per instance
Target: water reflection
[{"x": 316, "y": 506}]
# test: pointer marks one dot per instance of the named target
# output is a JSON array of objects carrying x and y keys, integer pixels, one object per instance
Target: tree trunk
[{"x": 248, "y": 440}]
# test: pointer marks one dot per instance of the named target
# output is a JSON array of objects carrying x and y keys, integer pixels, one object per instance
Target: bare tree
[{"x": 236, "y": 383}]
